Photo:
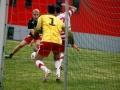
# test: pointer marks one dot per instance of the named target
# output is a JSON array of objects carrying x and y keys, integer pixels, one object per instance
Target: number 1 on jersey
[{"x": 52, "y": 22}]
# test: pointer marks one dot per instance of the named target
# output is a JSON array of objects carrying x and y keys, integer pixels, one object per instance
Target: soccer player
[
  {"x": 51, "y": 39},
  {"x": 61, "y": 15},
  {"x": 31, "y": 37},
  {"x": 71, "y": 41}
]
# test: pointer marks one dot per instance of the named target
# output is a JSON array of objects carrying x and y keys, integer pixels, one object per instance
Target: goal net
[{"x": 92, "y": 59}]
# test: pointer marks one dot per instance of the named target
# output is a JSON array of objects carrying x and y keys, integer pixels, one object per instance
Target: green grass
[{"x": 87, "y": 70}]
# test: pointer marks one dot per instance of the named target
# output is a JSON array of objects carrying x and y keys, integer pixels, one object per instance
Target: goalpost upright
[
  {"x": 3, "y": 8},
  {"x": 66, "y": 44}
]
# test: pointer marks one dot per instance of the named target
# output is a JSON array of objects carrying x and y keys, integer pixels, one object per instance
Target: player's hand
[
  {"x": 31, "y": 43},
  {"x": 63, "y": 4},
  {"x": 78, "y": 49}
]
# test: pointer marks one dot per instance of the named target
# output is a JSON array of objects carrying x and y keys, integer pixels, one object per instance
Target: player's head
[
  {"x": 51, "y": 9},
  {"x": 59, "y": 3},
  {"x": 35, "y": 14},
  {"x": 58, "y": 9}
]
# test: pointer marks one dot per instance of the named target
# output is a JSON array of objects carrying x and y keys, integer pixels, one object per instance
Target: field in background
[{"x": 87, "y": 70}]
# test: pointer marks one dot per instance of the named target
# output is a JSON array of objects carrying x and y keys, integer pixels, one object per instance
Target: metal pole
[
  {"x": 3, "y": 8},
  {"x": 66, "y": 45}
]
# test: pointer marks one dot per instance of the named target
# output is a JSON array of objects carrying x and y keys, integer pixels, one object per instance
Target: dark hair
[
  {"x": 51, "y": 9},
  {"x": 58, "y": 9},
  {"x": 59, "y": 3}
]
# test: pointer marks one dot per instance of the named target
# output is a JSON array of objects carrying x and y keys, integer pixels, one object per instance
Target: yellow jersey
[{"x": 51, "y": 28}]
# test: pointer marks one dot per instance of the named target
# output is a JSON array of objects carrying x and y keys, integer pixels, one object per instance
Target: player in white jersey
[{"x": 62, "y": 16}]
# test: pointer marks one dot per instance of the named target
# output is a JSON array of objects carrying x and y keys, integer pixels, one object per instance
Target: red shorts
[
  {"x": 29, "y": 38},
  {"x": 46, "y": 47}
]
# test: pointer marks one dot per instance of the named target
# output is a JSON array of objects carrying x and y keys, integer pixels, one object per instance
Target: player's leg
[
  {"x": 57, "y": 60},
  {"x": 35, "y": 48},
  {"x": 57, "y": 65},
  {"x": 37, "y": 43},
  {"x": 61, "y": 55},
  {"x": 41, "y": 65},
  {"x": 61, "y": 59},
  {"x": 43, "y": 51},
  {"x": 72, "y": 41},
  {"x": 16, "y": 49},
  {"x": 24, "y": 42},
  {"x": 19, "y": 46}
]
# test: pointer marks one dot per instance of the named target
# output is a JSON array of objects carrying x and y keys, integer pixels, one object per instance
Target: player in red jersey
[{"x": 29, "y": 38}]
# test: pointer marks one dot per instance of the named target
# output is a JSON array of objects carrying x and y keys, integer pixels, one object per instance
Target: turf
[{"x": 87, "y": 70}]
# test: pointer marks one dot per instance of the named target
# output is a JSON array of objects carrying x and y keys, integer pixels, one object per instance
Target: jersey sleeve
[
  {"x": 61, "y": 25},
  {"x": 39, "y": 23},
  {"x": 30, "y": 24},
  {"x": 70, "y": 12}
]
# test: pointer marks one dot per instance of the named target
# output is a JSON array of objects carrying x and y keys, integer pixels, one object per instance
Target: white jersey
[{"x": 62, "y": 17}]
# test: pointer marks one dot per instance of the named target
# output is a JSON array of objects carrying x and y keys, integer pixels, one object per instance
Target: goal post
[
  {"x": 3, "y": 4},
  {"x": 66, "y": 44}
]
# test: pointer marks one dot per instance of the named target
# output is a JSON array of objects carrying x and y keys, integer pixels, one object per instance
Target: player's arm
[
  {"x": 31, "y": 32},
  {"x": 71, "y": 41},
  {"x": 31, "y": 28},
  {"x": 62, "y": 25},
  {"x": 72, "y": 8},
  {"x": 38, "y": 28}
]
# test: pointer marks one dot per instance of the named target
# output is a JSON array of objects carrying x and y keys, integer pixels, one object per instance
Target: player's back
[
  {"x": 52, "y": 27},
  {"x": 62, "y": 17}
]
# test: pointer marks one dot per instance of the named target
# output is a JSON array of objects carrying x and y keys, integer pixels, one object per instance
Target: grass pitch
[{"x": 87, "y": 70}]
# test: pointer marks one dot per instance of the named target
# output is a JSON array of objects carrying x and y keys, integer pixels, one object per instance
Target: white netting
[{"x": 95, "y": 27}]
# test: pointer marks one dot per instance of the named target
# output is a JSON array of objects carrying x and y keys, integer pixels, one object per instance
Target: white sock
[
  {"x": 57, "y": 66},
  {"x": 41, "y": 65},
  {"x": 61, "y": 58}
]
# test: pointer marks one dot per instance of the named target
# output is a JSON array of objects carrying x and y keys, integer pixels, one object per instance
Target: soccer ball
[{"x": 33, "y": 55}]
